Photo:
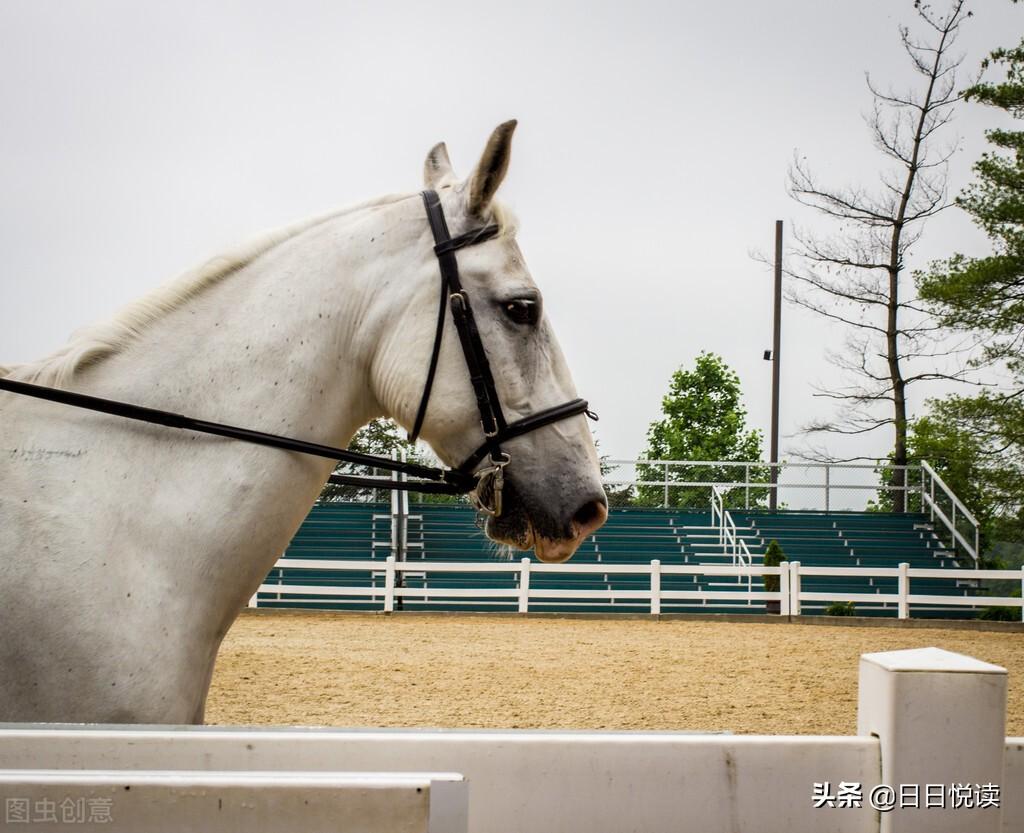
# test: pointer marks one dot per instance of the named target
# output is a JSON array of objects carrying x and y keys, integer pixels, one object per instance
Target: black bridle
[{"x": 463, "y": 479}]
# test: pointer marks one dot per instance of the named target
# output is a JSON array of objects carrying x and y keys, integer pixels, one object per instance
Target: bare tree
[{"x": 857, "y": 275}]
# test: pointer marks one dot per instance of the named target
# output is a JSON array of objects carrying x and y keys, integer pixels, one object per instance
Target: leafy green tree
[
  {"x": 990, "y": 484},
  {"x": 704, "y": 420},
  {"x": 985, "y": 295},
  {"x": 957, "y": 456},
  {"x": 380, "y": 437}
]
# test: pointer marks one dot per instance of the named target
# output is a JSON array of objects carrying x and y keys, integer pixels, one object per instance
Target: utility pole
[{"x": 773, "y": 500}]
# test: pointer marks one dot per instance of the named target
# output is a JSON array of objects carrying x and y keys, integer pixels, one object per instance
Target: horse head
[{"x": 552, "y": 494}]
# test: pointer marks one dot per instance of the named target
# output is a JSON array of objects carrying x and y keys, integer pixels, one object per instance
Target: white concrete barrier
[
  {"x": 522, "y": 782},
  {"x": 928, "y": 718},
  {"x": 140, "y": 801},
  {"x": 1013, "y": 778},
  {"x": 941, "y": 719}
]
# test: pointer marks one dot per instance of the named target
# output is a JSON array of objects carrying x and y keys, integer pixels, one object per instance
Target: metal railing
[
  {"x": 729, "y": 539},
  {"x": 957, "y": 521},
  {"x": 827, "y": 487},
  {"x": 748, "y": 484}
]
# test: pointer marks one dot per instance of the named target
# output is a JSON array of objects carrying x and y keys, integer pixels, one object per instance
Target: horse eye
[{"x": 522, "y": 311}]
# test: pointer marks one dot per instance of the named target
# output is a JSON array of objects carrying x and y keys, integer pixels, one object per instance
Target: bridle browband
[{"x": 460, "y": 480}]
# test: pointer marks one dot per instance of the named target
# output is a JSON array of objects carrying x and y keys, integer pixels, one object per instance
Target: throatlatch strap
[{"x": 421, "y": 412}]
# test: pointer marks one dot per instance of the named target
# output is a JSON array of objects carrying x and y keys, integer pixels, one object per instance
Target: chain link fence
[{"x": 823, "y": 487}]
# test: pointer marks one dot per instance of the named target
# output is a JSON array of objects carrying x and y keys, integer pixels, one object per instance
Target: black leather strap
[
  {"x": 421, "y": 486},
  {"x": 459, "y": 482},
  {"x": 491, "y": 418},
  {"x": 421, "y": 412},
  {"x": 448, "y": 245},
  {"x": 525, "y": 426},
  {"x": 471, "y": 237}
]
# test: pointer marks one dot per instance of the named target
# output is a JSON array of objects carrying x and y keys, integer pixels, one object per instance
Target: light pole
[{"x": 774, "y": 356}]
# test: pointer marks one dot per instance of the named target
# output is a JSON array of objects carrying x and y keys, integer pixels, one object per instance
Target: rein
[{"x": 462, "y": 479}]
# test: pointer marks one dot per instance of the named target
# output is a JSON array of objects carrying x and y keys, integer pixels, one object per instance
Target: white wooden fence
[
  {"x": 202, "y": 801},
  {"x": 930, "y": 754},
  {"x": 790, "y": 595}
]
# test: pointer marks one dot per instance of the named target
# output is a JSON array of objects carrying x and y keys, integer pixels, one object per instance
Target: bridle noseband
[{"x": 463, "y": 479}]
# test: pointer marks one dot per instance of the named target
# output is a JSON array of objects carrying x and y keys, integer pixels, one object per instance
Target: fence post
[
  {"x": 1022, "y": 594},
  {"x": 254, "y": 601},
  {"x": 903, "y": 589},
  {"x": 389, "y": 584},
  {"x": 665, "y": 502},
  {"x": 655, "y": 587},
  {"x": 784, "y": 589},
  {"x": 746, "y": 480},
  {"x": 794, "y": 588},
  {"x": 940, "y": 718},
  {"x": 524, "y": 585}
]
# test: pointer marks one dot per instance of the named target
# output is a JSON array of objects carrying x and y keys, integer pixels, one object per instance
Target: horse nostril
[{"x": 590, "y": 516}]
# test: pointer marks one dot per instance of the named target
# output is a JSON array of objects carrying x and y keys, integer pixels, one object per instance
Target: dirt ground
[{"x": 540, "y": 673}]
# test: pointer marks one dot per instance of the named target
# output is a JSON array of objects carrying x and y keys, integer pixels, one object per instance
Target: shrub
[
  {"x": 841, "y": 609},
  {"x": 1000, "y": 614},
  {"x": 773, "y": 557}
]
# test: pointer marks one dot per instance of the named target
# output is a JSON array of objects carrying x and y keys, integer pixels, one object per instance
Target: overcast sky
[{"x": 139, "y": 138}]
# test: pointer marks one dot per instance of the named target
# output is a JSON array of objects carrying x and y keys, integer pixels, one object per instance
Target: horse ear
[
  {"x": 437, "y": 168},
  {"x": 491, "y": 168}
]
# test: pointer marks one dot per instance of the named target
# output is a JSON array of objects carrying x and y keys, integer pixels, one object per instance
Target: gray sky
[{"x": 140, "y": 138}]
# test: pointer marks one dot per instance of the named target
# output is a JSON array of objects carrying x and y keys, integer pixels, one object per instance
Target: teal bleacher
[
  {"x": 448, "y": 532},
  {"x": 860, "y": 539}
]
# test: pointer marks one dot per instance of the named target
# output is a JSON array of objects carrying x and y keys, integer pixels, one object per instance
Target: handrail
[
  {"x": 728, "y": 534},
  {"x": 942, "y": 485},
  {"x": 749, "y": 474},
  {"x": 928, "y": 498}
]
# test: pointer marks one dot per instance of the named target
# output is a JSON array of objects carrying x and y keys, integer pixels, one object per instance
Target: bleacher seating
[{"x": 448, "y": 532}]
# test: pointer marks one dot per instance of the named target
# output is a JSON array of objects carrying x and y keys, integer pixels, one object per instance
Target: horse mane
[{"x": 95, "y": 342}]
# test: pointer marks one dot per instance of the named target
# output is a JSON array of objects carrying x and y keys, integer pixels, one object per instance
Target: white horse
[{"x": 128, "y": 549}]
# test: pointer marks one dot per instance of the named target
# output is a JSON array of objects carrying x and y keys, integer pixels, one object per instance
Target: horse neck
[{"x": 284, "y": 345}]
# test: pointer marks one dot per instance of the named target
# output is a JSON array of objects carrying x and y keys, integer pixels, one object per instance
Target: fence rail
[{"x": 790, "y": 596}]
